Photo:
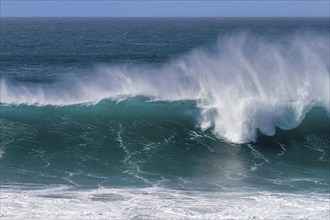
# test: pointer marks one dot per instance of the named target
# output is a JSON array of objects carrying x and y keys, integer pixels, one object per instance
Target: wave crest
[{"x": 243, "y": 84}]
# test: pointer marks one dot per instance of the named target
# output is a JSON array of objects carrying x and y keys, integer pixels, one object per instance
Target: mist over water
[{"x": 242, "y": 83}]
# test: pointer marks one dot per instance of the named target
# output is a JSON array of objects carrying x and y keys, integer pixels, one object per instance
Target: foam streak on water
[{"x": 242, "y": 84}]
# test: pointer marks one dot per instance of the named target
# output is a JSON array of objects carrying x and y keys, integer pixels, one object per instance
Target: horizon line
[{"x": 164, "y": 16}]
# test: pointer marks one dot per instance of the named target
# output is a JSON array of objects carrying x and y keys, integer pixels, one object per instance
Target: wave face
[
  {"x": 140, "y": 143},
  {"x": 241, "y": 84}
]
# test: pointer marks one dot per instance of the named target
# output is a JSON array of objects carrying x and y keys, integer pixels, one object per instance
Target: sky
[{"x": 164, "y": 8}]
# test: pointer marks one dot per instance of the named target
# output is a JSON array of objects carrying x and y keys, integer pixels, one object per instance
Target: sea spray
[{"x": 241, "y": 84}]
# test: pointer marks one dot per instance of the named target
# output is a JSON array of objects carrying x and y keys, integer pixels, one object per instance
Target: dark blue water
[{"x": 195, "y": 104}]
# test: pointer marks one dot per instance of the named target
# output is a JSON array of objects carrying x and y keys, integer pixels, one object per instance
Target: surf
[{"x": 243, "y": 84}]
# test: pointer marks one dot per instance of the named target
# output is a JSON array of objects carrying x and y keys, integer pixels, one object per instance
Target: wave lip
[{"x": 241, "y": 85}]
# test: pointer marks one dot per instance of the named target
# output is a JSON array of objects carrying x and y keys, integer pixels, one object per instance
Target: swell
[
  {"x": 138, "y": 115},
  {"x": 243, "y": 84},
  {"x": 138, "y": 142}
]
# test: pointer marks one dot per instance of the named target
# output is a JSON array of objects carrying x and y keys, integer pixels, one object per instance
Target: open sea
[{"x": 165, "y": 118}]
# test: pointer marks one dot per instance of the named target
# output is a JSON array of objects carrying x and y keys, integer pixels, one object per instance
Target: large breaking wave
[{"x": 241, "y": 85}]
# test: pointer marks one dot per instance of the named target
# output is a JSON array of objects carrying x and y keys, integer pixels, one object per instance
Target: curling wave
[{"x": 241, "y": 85}]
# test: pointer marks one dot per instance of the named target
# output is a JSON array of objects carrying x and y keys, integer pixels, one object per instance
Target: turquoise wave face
[{"x": 137, "y": 142}]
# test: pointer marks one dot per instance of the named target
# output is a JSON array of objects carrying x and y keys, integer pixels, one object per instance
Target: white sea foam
[
  {"x": 243, "y": 84},
  {"x": 159, "y": 203}
]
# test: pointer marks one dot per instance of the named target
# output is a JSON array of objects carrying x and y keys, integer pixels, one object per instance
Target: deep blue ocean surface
[{"x": 165, "y": 118}]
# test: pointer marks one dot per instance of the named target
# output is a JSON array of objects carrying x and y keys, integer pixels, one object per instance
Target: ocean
[{"x": 165, "y": 118}]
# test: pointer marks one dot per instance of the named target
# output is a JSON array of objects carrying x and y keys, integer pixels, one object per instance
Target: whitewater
[{"x": 241, "y": 84}]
